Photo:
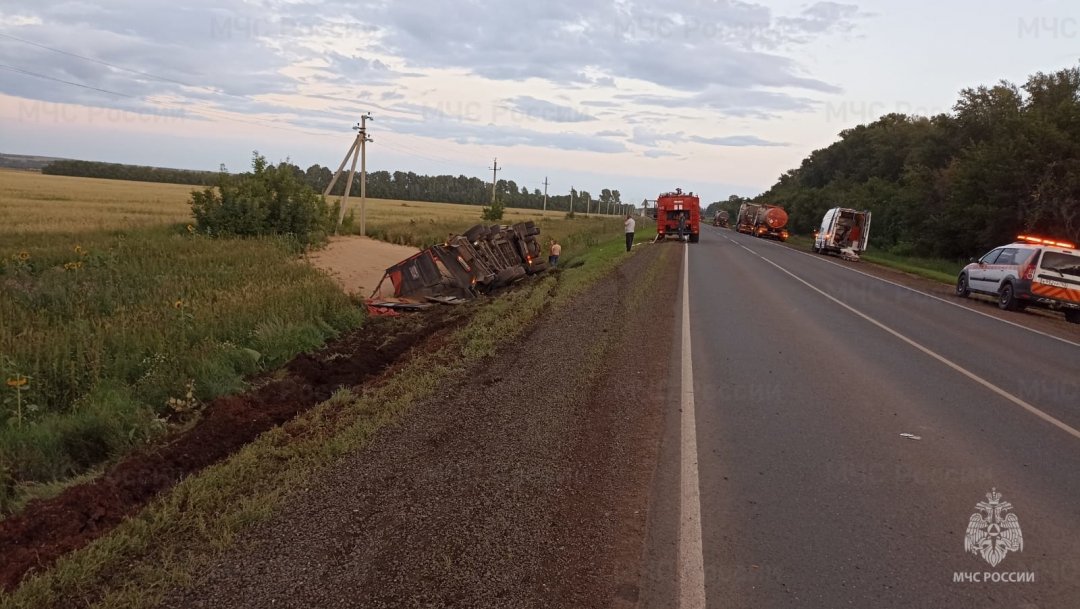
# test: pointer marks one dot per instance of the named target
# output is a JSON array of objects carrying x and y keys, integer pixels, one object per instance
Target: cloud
[
  {"x": 656, "y": 153},
  {"x": 734, "y": 141},
  {"x": 730, "y": 101},
  {"x": 683, "y": 46},
  {"x": 822, "y": 17},
  {"x": 501, "y": 135},
  {"x": 644, "y": 136},
  {"x": 276, "y": 61},
  {"x": 547, "y": 111}
]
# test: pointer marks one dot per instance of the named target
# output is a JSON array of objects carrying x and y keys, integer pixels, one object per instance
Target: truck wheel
[
  {"x": 1007, "y": 298},
  {"x": 694, "y": 238},
  {"x": 1072, "y": 317},
  {"x": 962, "y": 289}
]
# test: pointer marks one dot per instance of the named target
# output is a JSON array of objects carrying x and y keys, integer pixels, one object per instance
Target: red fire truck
[{"x": 678, "y": 214}]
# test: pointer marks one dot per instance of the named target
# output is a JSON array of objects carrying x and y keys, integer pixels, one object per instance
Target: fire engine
[{"x": 678, "y": 214}]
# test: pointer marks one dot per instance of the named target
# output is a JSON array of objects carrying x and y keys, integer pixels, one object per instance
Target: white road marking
[
  {"x": 691, "y": 561},
  {"x": 957, "y": 367},
  {"x": 910, "y": 289}
]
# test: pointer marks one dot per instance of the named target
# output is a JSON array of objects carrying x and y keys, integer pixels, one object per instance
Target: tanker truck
[
  {"x": 770, "y": 221},
  {"x": 721, "y": 219},
  {"x": 762, "y": 220},
  {"x": 744, "y": 223},
  {"x": 678, "y": 214}
]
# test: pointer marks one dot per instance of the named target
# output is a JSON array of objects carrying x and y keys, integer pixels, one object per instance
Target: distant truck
[
  {"x": 762, "y": 220},
  {"x": 721, "y": 219},
  {"x": 843, "y": 231},
  {"x": 678, "y": 214}
]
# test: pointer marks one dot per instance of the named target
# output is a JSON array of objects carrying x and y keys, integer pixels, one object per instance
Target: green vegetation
[
  {"x": 135, "y": 173},
  {"x": 180, "y": 534},
  {"x": 938, "y": 269},
  {"x": 114, "y": 331},
  {"x": 399, "y": 185},
  {"x": 493, "y": 213},
  {"x": 268, "y": 201},
  {"x": 1005, "y": 161}
]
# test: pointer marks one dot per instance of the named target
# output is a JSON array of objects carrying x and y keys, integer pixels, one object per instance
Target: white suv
[{"x": 1030, "y": 272}]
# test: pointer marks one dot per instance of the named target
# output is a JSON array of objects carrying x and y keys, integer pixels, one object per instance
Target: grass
[
  {"x": 116, "y": 318},
  {"x": 116, "y": 330},
  {"x": 179, "y": 535},
  {"x": 936, "y": 269}
]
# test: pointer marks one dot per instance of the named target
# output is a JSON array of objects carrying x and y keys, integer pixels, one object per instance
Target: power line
[
  {"x": 66, "y": 82},
  {"x": 98, "y": 61}
]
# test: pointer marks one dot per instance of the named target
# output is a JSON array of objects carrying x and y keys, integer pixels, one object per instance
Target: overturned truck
[{"x": 480, "y": 260}]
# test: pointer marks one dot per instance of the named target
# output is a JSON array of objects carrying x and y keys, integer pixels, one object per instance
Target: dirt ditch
[{"x": 47, "y": 529}]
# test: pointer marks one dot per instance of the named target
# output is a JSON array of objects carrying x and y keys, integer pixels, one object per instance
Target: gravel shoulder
[{"x": 525, "y": 486}]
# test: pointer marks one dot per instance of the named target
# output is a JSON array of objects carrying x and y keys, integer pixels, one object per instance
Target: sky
[{"x": 715, "y": 97}]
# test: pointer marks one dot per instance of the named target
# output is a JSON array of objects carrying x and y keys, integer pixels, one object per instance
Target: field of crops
[{"x": 119, "y": 319}]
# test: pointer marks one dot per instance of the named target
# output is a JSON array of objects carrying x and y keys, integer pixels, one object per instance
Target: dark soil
[
  {"x": 524, "y": 485},
  {"x": 47, "y": 529}
]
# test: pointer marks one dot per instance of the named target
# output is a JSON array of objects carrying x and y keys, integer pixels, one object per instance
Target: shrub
[
  {"x": 495, "y": 212},
  {"x": 268, "y": 201}
]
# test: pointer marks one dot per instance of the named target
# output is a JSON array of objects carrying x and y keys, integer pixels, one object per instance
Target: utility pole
[
  {"x": 545, "y": 192},
  {"x": 494, "y": 179},
  {"x": 357, "y": 149},
  {"x": 571, "y": 198}
]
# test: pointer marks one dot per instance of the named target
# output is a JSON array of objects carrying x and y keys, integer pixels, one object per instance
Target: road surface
[{"x": 807, "y": 494}]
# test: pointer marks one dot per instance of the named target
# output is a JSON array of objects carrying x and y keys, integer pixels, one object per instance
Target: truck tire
[
  {"x": 694, "y": 238},
  {"x": 1007, "y": 298},
  {"x": 962, "y": 289},
  {"x": 1072, "y": 316}
]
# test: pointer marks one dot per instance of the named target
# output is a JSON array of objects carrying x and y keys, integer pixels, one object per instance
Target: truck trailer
[
  {"x": 721, "y": 219},
  {"x": 763, "y": 220},
  {"x": 678, "y": 214}
]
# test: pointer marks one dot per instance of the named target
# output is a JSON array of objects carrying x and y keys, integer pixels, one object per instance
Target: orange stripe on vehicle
[{"x": 1055, "y": 292}]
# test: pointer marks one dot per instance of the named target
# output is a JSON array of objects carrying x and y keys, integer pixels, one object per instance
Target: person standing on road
[
  {"x": 629, "y": 226},
  {"x": 554, "y": 253}
]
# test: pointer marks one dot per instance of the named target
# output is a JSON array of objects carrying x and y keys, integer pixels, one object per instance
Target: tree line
[
  {"x": 1004, "y": 161},
  {"x": 404, "y": 185}
]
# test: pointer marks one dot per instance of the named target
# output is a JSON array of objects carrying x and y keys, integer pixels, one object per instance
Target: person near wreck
[{"x": 628, "y": 226}]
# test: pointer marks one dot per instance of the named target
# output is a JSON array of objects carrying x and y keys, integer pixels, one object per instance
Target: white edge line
[
  {"x": 691, "y": 561},
  {"x": 957, "y": 367},
  {"x": 911, "y": 289}
]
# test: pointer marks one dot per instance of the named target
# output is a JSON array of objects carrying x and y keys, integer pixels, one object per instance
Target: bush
[
  {"x": 495, "y": 212},
  {"x": 268, "y": 201}
]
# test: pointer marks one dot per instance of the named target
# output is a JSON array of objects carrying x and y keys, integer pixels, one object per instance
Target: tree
[{"x": 270, "y": 200}]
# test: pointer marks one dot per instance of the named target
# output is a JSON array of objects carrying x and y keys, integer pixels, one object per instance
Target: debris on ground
[
  {"x": 482, "y": 259},
  {"x": 910, "y": 436}
]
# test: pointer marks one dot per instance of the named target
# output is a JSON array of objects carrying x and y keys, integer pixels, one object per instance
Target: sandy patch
[{"x": 358, "y": 263}]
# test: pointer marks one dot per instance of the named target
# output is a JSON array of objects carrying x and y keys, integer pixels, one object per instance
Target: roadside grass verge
[
  {"x": 425, "y": 230},
  {"x": 111, "y": 334},
  {"x": 936, "y": 269},
  {"x": 178, "y": 535}
]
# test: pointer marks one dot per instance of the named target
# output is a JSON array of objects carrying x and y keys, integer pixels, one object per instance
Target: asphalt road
[{"x": 809, "y": 494}]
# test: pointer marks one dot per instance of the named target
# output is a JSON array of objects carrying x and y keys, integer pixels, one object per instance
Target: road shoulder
[{"x": 526, "y": 485}]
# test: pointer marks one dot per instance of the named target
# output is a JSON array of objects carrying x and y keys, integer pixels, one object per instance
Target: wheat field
[{"x": 32, "y": 202}]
